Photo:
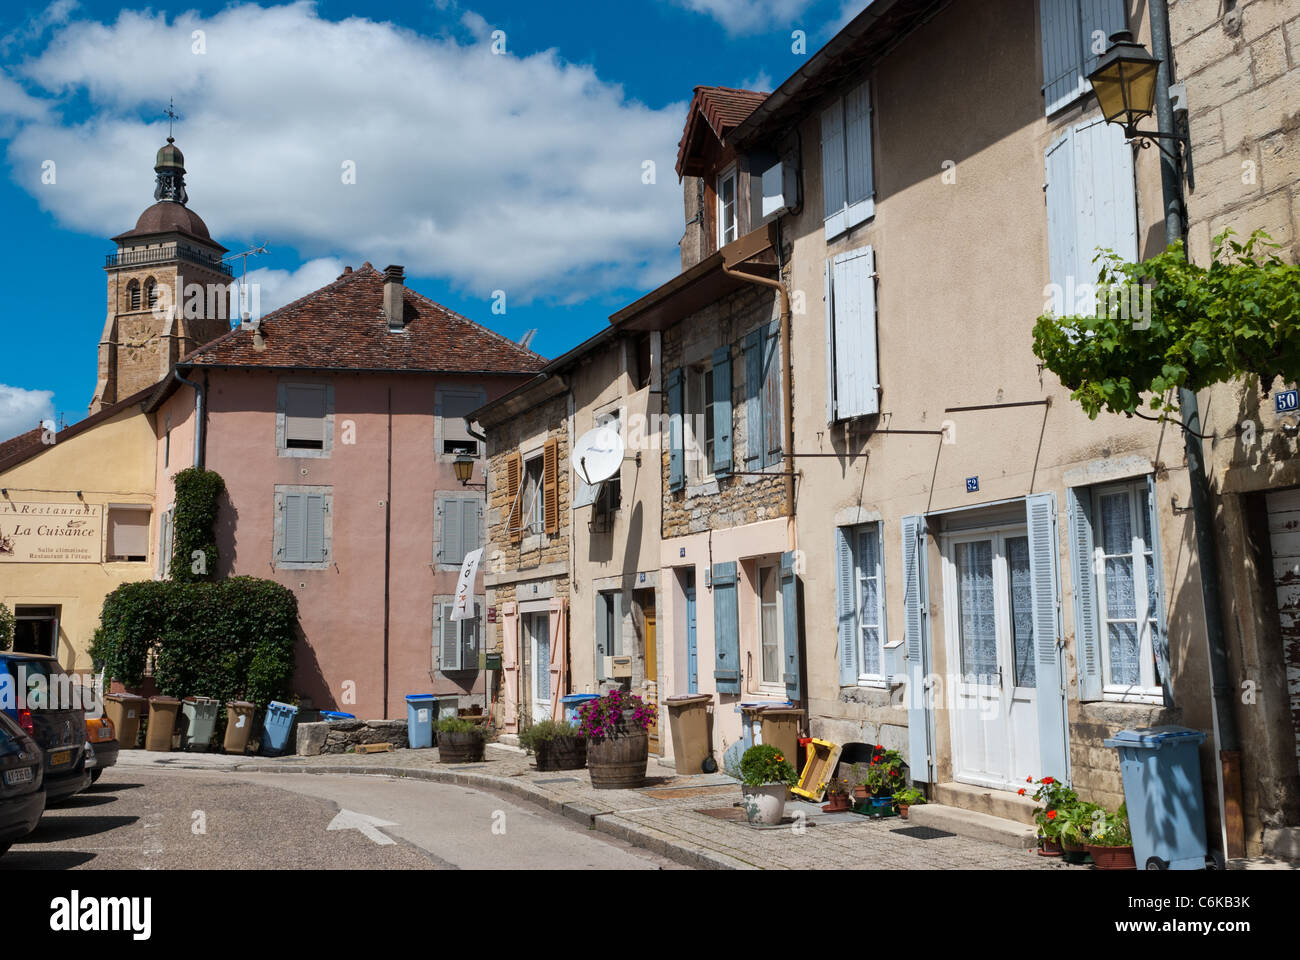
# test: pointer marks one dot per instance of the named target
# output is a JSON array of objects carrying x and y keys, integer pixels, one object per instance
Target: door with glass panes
[
  {"x": 990, "y": 649},
  {"x": 539, "y": 634}
]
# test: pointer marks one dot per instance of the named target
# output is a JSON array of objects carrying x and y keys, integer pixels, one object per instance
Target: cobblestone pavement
[{"x": 664, "y": 816}]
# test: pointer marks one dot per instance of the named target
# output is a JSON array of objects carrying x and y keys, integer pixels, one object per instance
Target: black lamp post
[{"x": 464, "y": 465}]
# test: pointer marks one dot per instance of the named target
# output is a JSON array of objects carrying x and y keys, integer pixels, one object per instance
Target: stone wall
[
  {"x": 736, "y": 500},
  {"x": 340, "y": 736}
]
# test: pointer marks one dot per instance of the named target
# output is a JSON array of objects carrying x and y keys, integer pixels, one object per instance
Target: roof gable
[{"x": 713, "y": 111}]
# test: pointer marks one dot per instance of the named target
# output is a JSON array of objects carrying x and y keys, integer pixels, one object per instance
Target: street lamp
[
  {"x": 1125, "y": 84},
  {"x": 464, "y": 465}
]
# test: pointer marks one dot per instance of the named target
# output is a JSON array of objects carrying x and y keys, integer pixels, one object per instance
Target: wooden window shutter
[
  {"x": 1045, "y": 610},
  {"x": 513, "y": 521},
  {"x": 721, "y": 464},
  {"x": 551, "y": 485}
]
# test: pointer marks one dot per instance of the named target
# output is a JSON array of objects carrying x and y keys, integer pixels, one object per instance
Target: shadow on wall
[
  {"x": 227, "y": 519},
  {"x": 309, "y": 681}
]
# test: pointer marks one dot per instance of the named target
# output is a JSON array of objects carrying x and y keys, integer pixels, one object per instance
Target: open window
[
  {"x": 452, "y": 406},
  {"x": 305, "y": 419},
  {"x": 728, "y": 208},
  {"x": 36, "y": 630}
]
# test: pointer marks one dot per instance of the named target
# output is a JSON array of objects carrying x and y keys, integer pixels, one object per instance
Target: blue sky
[{"x": 479, "y": 171}]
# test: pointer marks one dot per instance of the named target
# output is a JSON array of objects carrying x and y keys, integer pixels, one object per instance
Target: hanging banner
[
  {"x": 50, "y": 532},
  {"x": 463, "y": 608}
]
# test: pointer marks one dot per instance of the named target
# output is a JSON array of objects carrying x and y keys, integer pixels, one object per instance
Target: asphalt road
[{"x": 138, "y": 818}]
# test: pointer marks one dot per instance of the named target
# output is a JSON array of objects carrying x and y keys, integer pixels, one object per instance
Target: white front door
[
  {"x": 539, "y": 633},
  {"x": 990, "y": 634}
]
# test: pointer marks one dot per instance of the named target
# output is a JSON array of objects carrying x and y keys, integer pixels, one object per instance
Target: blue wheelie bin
[
  {"x": 573, "y": 701},
  {"x": 277, "y": 727},
  {"x": 421, "y": 710},
  {"x": 1164, "y": 796}
]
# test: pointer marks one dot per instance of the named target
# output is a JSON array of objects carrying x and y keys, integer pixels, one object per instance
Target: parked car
[
  {"x": 101, "y": 746},
  {"x": 58, "y": 729},
  {"x": 22, "y": 783}
]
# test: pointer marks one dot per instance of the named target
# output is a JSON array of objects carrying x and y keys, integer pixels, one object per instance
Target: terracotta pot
[
  {"x": 860, "y": 792},
  {"x": 1048, "y": 848},
  {"x": 618, "y": 763},
  {"x": 902, "y": 810},
  {"x": 765, "y": 804},
  {"x": 1112, "y": 858},
  {"x": 562, "y": 753},
  {"x": 838, "y": 803},
  {"x": 460, "y": 747}
]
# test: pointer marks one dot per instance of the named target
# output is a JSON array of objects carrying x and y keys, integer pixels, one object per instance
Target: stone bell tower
[{"x": 168, "y": 290}]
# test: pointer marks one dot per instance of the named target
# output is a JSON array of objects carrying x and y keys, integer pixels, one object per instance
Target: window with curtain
[
  {"x": 1128, "y": 597},
  {"x": 769, "y": 623},
  {"x": 977, "y": 612}
]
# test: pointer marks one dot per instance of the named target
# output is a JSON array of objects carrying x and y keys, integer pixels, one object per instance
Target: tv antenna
[{"x": 243, "y": 281}]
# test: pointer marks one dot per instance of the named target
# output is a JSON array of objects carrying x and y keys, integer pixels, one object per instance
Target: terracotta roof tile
[
  {"x": 341, "y": 326},
  {"x": 723, "y": 108},
  {"x": 23, "y": 443}
]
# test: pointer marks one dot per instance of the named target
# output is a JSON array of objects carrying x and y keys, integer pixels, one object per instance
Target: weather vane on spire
[{"x": 171, "y": 116}]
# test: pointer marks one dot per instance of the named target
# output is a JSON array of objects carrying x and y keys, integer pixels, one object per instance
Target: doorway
[
  {"x": 988, "y": 624},
  {"x": 646, "y": 601},
  {"x": 1284, "y": 540},
  {"x": 537, "y": 626}
]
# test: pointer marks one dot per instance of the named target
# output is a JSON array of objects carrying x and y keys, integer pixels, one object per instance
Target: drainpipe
[
  {"x": 1227, "y": 742},
  {"x": 198, "y": 415},
  {"x": 787, "y": 388}
]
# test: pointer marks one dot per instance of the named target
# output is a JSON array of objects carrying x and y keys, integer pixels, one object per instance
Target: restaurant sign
[{"x": 50, "y": 532}]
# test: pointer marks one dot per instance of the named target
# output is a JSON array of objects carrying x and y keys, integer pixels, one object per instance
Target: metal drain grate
[
  {"x": 923, "y": 833},
  {"x": 558, "y": 780}
]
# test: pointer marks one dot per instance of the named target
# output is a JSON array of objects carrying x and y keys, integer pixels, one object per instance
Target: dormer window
[{"x": 727, "y": 222}]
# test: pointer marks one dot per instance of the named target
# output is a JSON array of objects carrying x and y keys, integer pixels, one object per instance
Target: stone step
[
  {"x": 1004, "y": 804},
  {"x": 977, "y": 826}
]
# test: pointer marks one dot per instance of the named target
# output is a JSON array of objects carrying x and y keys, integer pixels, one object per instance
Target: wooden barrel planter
[
  {"x": 460, "y": 747},
  {"x": 618, "y": 763},
  {"x": 562, "y": 753}
]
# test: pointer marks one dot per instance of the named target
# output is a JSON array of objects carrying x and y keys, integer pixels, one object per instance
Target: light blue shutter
[
  {"x": 854, "y": 331},
  {"x": 315, "y": 546},
  {"x": 1087, "y": 639},
  {"x": 294, "y": 539},
  {"x": 857, "y": 150},
  {"x": 790, "y": 627},
  {"x": 602, "y": 634},
  {"x": 845, "y": 606},
  {"x": 830, "y": 341},
  {"x": 470, "y": 512},
  {"x": 833, "y": 179},
  {"x": 1062, "y": 53},
  {"x": 449, "y": 638},
  {"x": 469, "y": 639},
  {"x": 1104, "y": 195},
  {"x": 1099, "y": 19},
  {"x": 920, "y": 758},
  {"x": 726, "y": 628},
  {"x": 721, "y": 412},
  {"x": 754, "y": 432},
  {"x": 1062, "y": 220},
  {"x": 1161, "y": 639},
  {"x": 1045, "y": 609},
  {"x": 616, "y": 640},
  {"x": 772, "y": 394},
  {"x": 452, "y": 527},
  {"x": 676, "y": 456}
]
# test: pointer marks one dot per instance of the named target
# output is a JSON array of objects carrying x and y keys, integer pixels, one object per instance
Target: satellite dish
[{"x": 598, "y": 454}]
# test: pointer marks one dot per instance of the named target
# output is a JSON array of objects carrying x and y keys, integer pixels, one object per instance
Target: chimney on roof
[{"x": 393, "y": 287}]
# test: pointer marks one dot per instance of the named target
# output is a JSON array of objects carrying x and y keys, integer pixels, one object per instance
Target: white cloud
[
  {"x": 275, "y": 288},
  {"x": 56, "y": 14},
  {"x": 761, "y": 81},
  {"x": 21, "y": 410},
  {"x": 750, "y": 16},
  {"x": 496, "y": 172}
]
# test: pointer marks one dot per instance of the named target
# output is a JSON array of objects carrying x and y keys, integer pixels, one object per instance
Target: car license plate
[
  {"x": 60, "y": 757},
  {"x": 21, "y": 775}
]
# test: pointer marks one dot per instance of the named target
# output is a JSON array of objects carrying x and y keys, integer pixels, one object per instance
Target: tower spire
[{"x": 170, "y": 164}]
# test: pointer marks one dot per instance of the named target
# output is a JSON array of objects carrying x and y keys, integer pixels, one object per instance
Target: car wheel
[
  {"x": 94, "y": 775},
  {"x": 4, "y": 848}
]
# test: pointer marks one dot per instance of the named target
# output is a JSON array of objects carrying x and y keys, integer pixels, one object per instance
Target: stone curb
[{"x": 605, "y": 821}]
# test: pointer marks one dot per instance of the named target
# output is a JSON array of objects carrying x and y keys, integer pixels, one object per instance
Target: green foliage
[
  {"x": 543, "y": 731},
  {"x": 909, "y": 796},
  {"x": 198, "y": 493},
  {"x": 1115, "y": 831},
  {"x": 457, "y": 725},
  {"x": 1078, "y": 820},
  {"x": 6, "y": 627},
  {"x": 1238, "y": 317},
  {"x": 230, "y": 639},
  {"x": 1055, "y": 798},
  {"x": 763, "y": 764}
]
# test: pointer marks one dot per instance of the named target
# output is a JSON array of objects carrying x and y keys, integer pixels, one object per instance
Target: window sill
[
  {"x": 306, "y": 452},
  {"x": 877, "y": 683},
  {"x": 314, "y": 565},
  {"x": 1128, "y": 695}
]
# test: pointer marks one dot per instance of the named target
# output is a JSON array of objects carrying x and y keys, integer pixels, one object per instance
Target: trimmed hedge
[
  {"x": 194, "y": 524},
  {"x": 7, "y": 622},
  {"x": 229, "y": 639}
]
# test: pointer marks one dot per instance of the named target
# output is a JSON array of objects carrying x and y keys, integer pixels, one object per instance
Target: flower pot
[
  {"x": 902, "y": 810},
  {"x": 460, "y": 747},
  {"x": 860, "y": 792},
  {"x": 618, "y": 763},
  {"x": 562, "y": 753},
  {"x": 1112, "y": 858},
  {"x": 1048, "y": 848},
  {"x": 837, "y": 803},
  {"x": 765, "y": 804}
]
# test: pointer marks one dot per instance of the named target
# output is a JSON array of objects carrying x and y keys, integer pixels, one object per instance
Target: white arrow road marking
[{"x": 368, "y": 825}]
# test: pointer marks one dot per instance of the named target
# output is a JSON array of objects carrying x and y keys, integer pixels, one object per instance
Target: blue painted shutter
[
  {"x": 1062, "y": 53},
  {"x": 471, "y": 511},
  {"x": 790, "y": 627},
  {"x": 1098, "y": 20},
  {"x": 1161, "y": 640},
  {"x": 452, "y": 526},
  {"x": 676, "y": 456},
  {"x": 857, "y": 152},
  {"x": 721, "y": 412},
  {"x": 856, "y": 374},
  {"x": 603, "y": 649},
  {"x": 829, "y": 300},
  {"x": 1045, "y": 610},
  {"x": 833, "y": 178},
  {"x": 754, "y": 432},
  {"x": 449, "y": 639},
  {"x": 920, "y": 758},
  {"x": 692, "y": 646},
  {"x": 294, "y": 539},
  {"x": 772, "y": 394},
  {"x": 1087, "y": 636},
  {"x": 726, "y": 628},
  {"x": 315, "y": 521},
  {"x": 616, "y": 638},
  {"x": 1062, "y": 220},
  {"x": 1105, "y": 198},
  {"x": 845, "y": 607}
]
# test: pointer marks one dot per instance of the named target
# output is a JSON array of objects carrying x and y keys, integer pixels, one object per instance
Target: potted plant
[
  {"x": 837, "y": 795},
  {"x": 884, "y": 776},
  {"x": 557, "y": 745},
  {"x": 1077, "y": 822},
  {"x": 618, "y": 746},
  {"x": 908, "y": 797},
  {"x": 766, "y": 783},
  {"x": 858, "y": 778},
  {"x": 1053, "y": 795},
  {"x": 1112, "y": 845},
  {"x": 460, "y": 741}
]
